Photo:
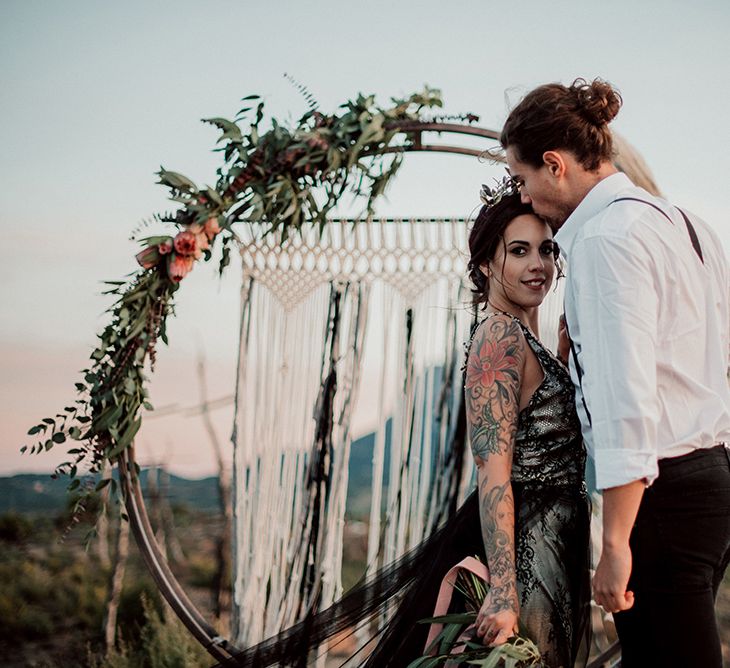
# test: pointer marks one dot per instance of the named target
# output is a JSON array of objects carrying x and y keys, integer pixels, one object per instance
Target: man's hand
[
  {"x": 496, "y": 622},
  {"x": 620, "y": 506},
  {"x": 612, "y": 578}
]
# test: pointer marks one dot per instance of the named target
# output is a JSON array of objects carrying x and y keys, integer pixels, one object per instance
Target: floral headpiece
[{"x": 491, "y": 196}]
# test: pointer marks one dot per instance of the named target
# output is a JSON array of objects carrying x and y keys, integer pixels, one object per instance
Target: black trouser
[{"x": 680, "y": 547}]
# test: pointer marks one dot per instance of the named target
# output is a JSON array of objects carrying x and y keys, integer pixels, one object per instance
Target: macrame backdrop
[{"x": 362, "y": 323}]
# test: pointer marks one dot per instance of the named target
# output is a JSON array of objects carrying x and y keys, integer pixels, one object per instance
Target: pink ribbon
[{"x": 446, "y": 591}]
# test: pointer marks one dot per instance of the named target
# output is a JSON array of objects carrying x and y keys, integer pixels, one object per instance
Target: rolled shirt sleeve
[{"x": 614, "y": 291}]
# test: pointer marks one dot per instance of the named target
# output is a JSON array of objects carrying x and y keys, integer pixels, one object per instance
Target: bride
[{"x": 526, "y": 441}]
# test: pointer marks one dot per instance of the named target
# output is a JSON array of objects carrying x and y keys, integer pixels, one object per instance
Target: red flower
[
  {"x": 211, "y": 227},
  {"x": 165, "y": 247},
  {"x": 493, "y": 363},
  {"x": 201, "y": 241},
  {"x": 185, "y": 243},
  {"x": 179, "y": 266},
  {"x": 201, "y": 244}
]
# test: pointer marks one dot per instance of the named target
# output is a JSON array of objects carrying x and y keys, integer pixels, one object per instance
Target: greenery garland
[{"x": 268, "y": 178}]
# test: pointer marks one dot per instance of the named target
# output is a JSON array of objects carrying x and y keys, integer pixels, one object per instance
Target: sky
[{"x": 95, "y": 96}]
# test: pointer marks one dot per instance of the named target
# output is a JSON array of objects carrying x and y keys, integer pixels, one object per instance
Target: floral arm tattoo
[{"x": 493, "y": 379}]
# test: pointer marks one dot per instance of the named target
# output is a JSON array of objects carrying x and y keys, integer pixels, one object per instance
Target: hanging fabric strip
[{"x": 351, "y": 339}]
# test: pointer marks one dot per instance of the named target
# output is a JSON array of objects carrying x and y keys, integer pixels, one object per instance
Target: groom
[{"x": 646, "y": 305}]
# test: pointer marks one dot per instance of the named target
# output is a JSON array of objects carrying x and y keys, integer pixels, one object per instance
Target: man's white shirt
[{"x": 650, "y": 325}]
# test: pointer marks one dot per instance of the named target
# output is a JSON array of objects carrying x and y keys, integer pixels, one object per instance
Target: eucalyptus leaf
[
  {"x": 214, "y": 196},
  {"x": 126, "y": 438},
  {"x": 109, "y": 416},
  {"x": 176, "y": 181},
  {"x": 230, "y": 129},
  {"x": 102, "y": 484}
]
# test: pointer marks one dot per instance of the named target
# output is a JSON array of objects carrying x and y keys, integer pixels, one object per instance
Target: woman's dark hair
[
  {"x": 485, "y": 236},
  {"x": 574, "y": 118}
]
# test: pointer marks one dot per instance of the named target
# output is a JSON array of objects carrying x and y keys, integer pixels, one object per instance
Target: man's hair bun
[
  {"x": 574, "y": 118},
  {"x": 597, "y": 100}
]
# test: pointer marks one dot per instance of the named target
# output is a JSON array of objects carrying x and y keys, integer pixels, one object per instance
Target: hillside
[{"x": 39, "y": 493}]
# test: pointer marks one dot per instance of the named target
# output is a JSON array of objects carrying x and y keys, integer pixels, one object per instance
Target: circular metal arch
[
  {"x": 415, "y": 129},
  {"x": 218, "y": 647}
]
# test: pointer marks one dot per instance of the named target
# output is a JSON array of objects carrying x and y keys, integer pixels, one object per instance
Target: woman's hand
[
  {"x": 563, "y": 341},
  {"x": 496, "y": 621}
]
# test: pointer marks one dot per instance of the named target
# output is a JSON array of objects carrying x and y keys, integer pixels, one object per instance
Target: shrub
[
  {"x": 14, "y": 528},
  {"x": 37, "y": 601},
  {"x": 203, "y": 571},
  {"x": 138, "y": 596},
  {"x": 163, "y": 643}
]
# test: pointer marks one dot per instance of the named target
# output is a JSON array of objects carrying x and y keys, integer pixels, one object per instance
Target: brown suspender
[{"x": 690, "y": 228}]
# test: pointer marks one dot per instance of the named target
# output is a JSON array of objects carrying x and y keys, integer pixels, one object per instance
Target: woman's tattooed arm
[
  {"x": 493, "y": 379},
  {"x": 496, "y": 509}
]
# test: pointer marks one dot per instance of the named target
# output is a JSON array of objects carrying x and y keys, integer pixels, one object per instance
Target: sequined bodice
[{"x": 549, "y": 447}]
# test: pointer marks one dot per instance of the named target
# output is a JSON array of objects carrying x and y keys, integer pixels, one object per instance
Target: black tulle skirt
[{"x": 552, "y": 548}]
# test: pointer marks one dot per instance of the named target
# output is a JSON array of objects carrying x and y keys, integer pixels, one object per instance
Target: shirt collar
[{"x": 597, "y": 199}]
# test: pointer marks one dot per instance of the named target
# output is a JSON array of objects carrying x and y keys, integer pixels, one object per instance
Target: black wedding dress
[{"x": 552, "y": 519}]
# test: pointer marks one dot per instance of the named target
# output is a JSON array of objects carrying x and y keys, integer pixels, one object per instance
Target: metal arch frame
[
  {"x": 415, "y": 129},
  {"x": 218, "y": 647}
]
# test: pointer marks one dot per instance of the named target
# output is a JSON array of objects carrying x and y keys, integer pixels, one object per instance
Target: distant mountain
[
  {"x": 39, "y": 493},
  {"x": 360, "y": 472},
  {"x": 30, "y": 492}
]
